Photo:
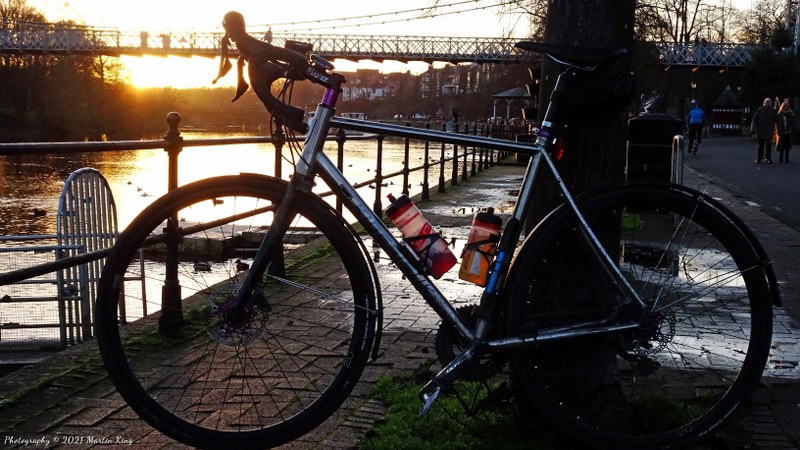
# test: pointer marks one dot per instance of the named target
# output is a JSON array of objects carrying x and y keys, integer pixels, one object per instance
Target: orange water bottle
[
  {"x": 420, "y": 235},
  {"x": 481, "y": 247}
]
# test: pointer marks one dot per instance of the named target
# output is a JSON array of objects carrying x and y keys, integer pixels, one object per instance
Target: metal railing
[{"x": 452, "y": 162}]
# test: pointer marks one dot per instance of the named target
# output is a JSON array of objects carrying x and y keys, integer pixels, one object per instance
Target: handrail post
[
  {"x": 454, "y": 181},
  {"x": 482, "y": 163},
  {"x": 441, "y": 164},
  {"x": 473, "y": 169},
  {"x": 378, "y": 206},
  {"x": 171, "y": 310},
  {"x": 426, "y": 168},
  {"x": 173, "y": 147},
  {"x": 406, "y": 163},
  {"x": 278, "y": 139}
]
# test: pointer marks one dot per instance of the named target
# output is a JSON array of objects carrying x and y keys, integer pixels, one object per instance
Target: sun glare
[{"x": 173, "y": 71}]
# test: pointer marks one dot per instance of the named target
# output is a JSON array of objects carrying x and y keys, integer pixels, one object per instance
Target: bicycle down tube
[{"x": 538, "y": 156}]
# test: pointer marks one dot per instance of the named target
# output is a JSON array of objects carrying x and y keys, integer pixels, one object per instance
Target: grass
[{"x": 448, "y": 426}]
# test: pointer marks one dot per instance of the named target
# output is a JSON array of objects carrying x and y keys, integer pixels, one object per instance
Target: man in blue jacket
[{"x": 696, "y": 120}]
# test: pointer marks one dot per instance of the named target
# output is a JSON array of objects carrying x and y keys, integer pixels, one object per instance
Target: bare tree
[
  {"x": 12, "y": 11},
  {"x": 760, "y": 24},
  {"x": 684, "y": 21}
]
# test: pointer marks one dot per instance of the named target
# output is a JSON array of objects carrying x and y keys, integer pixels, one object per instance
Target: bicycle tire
[
  {"x": 266, "y": 376},
  {"x": 681, "y": 375}
]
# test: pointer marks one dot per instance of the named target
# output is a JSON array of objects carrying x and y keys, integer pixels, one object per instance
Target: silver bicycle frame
[{"x": 315, "y": 162}]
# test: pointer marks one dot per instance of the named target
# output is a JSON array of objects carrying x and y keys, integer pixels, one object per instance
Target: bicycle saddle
[{"x": 574, "y": 56}]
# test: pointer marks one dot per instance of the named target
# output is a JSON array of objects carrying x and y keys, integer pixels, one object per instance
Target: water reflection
[{"x": 30, "y": 185}]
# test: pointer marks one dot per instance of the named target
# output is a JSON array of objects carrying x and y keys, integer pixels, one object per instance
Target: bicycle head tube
[{"x": 268, "y": 63}]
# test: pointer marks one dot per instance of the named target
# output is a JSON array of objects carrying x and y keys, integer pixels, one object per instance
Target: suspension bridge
[{"x": 58, "y": 39}]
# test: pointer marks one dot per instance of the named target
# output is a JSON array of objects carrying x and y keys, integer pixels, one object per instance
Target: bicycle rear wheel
[
  {"x": 697, "y": 355},
  {"x": 224, "y": 378}
]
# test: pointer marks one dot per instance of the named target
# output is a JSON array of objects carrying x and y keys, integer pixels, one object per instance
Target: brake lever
[
  {"x": 225, "y": 66},
  {"x": 224, "y": 63},
  {"x": 241, "y": 84}
]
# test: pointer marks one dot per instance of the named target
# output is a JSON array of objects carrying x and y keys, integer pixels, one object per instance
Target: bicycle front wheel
[
  {"x": 702, "y": 343},
  {"x": 218, "y": 375}
]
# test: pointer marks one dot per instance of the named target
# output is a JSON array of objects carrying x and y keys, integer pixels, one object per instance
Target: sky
[{"x": 464, "y": 18}]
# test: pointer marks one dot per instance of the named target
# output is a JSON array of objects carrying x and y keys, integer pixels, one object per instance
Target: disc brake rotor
[{"x": 238, "y": 328}]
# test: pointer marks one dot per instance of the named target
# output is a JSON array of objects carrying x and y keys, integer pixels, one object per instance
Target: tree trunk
[
  {"x": 595, "y": 135},
  {"x": 595, "y": 138}
]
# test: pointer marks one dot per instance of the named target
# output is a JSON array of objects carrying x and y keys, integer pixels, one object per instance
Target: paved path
[
  {"x": 70, "y": 397},
  {"x": 765, "y": 197},
  {"x": 775, "y": 187}
]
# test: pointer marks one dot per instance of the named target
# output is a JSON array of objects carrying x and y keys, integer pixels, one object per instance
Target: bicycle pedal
[{"x": 428, "y": 399}]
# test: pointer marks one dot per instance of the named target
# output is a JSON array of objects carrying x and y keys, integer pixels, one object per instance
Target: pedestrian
[
  {"x": 785, "y": 125},
  {"x": 762, "y": 129},
  {"x": 695, "y": 120}
]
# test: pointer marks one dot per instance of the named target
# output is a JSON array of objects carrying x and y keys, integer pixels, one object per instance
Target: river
[{"x": 30, "y": 185}]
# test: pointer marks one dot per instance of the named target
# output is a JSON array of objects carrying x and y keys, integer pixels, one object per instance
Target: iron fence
[{"x": 450, "y": 162}]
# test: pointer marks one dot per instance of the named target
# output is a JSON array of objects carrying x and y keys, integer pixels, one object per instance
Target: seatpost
[{"x": 546, "y": 131}]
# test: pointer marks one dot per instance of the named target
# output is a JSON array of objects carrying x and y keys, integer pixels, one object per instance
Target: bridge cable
[{"x": 383, "y": 22}]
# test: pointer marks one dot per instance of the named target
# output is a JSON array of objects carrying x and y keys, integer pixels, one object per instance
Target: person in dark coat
[{"x": 762, "y": 129}]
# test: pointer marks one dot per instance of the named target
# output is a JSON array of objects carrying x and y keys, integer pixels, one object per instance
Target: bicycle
[
  {"x": 607, "y": 315},
  {"x": 695, "y": 134},
  {"x": 693, "y": 146}
]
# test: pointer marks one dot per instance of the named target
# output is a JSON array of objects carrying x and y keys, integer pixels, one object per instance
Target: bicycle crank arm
[{"x": 444, "y": 379}]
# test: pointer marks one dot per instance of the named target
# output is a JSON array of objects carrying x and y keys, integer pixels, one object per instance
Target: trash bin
[
  {"x": 525, "y": 138},
  {"x": 649, "y": 152}
]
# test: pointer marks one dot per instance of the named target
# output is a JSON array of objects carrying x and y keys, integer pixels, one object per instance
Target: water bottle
[
  {"x": 420, "y": 235},
  {"x": 480, "y": 248}
]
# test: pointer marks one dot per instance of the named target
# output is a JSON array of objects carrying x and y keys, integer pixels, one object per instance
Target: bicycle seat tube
[
  {"x": 545, "y": 141},
  {"x": 505, "y": 249}
]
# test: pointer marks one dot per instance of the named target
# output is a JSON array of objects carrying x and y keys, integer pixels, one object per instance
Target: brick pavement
[{"x": 70, "y": 396}]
